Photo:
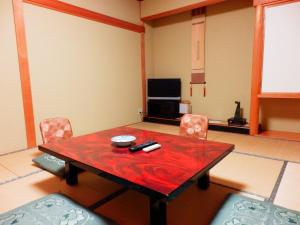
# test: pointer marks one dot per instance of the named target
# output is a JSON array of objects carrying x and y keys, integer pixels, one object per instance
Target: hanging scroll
[{"x": 198, "y": 47}]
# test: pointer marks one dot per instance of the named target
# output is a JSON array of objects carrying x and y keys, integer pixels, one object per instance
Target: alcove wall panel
[
  {"x": 12, "y": 126},
  {"x": 228, "y": 57},
  {"x": 83, "y": 70},
  {"x": 280, "y": 114}
]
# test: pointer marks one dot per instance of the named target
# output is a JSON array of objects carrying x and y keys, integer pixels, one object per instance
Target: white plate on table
[{"x": 123, "y": 140}]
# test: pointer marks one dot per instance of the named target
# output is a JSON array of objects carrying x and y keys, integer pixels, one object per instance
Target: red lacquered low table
[{"x": 161, "y": 174}]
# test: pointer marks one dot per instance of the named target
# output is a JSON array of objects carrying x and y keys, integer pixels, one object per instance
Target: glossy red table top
[{"x": 163, "y": 170}]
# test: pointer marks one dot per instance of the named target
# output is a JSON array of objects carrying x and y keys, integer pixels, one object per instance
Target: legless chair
[
  {"x": 53, "y": 129},
  {"x": 194, "y": 126}
]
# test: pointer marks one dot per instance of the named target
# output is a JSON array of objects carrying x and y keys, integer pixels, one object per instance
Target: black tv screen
[{"x": 164, "y": 88}]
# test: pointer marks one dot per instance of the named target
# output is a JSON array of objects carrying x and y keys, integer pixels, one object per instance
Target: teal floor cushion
[
  {"x": 51, "y": 164},
  {"x": 240, "y": 210},
  {"x": 54, "y": 209}
]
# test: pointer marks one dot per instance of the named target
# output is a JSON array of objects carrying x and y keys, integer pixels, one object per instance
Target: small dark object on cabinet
[{"x": 237, "y": 119}]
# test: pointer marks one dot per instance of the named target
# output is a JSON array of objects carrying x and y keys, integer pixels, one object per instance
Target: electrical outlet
[{"x": 140, "y": 110}]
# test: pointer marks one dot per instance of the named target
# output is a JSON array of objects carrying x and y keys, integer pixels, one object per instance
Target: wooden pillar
[
  {"x": 257, "y": 69},
  {"x": 143, "y": 71},
  {"x": 24, "y": 72}
]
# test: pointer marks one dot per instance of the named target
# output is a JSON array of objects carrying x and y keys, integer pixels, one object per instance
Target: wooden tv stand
[{"x": 213, "y": 125}]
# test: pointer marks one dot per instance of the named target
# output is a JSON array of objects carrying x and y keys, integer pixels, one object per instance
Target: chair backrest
[
  {"x": 194, "y": 126},
  {"x": 54, "y": 129}
]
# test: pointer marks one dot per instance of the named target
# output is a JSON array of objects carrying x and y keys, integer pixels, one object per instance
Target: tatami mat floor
[
  {"x": 247, "y": 173},
  {"x": 261, "y": 168},
  {"x": 20, "y": 163},
  {"x": 289, "y": 188},
  {"x": 260, "y": 146}
]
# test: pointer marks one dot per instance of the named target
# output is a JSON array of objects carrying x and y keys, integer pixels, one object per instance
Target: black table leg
[
  {"x": 158, "y": 212},
  {"x": 203, "y": 182},
  {"x": 71, "y": 174}
]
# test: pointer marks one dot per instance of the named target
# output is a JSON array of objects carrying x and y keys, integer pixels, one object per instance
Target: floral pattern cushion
[
  {"x": 51, "y": 163},
  {"x": 240, "y": 210},
  {"x": 54, "y": 129},
  {"x": 54, "y": 209},
  {"x": 194, "y": 126}
]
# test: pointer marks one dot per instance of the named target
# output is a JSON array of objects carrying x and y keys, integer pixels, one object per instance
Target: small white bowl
[{"x": 123, "y": 140}]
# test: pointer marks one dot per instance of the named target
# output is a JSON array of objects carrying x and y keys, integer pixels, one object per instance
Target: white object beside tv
[
  {"x": 281, "y": 61},
  {"x": 184, "y": 108}
]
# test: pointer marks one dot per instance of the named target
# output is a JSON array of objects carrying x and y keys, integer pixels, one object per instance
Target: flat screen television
[{"x": 164, "y": 88}]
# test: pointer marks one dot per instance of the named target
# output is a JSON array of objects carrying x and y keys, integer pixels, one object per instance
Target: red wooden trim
[
  {"x": 87, "y": 14},
  {"x": 143, "y": 64},
  {"x": 272, "y": 2},
  {"x": 279, "y": 95},
  {"x": 143, "y": 71},
  {"x": 181, "y": 9},
  {"x": 24, "y": 72},
  {"x": 257, "y": 69}
]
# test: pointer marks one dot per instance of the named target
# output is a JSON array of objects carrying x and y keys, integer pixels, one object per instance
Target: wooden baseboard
[
  {"x": 283, "y": 135},
  {"x": 212, "y": 126},
  {"x": 162, "y": 120}
]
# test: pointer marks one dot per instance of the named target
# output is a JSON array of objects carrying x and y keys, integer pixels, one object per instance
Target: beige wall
[
  {"x": 128, "y": 10},
  {"x": 12, "y": 127},
  {"x": 86, "y": 71},
  {"x": 151, "y": 7},
  {"x": 149, "y": 48},
  {"x": 228, "y": 62},
  {"x": 90, "y": 72}
]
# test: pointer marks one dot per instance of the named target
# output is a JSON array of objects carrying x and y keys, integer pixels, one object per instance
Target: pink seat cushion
[
  {"x": 54, "y": 129},
  {"x": 194, "y": 126}
]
